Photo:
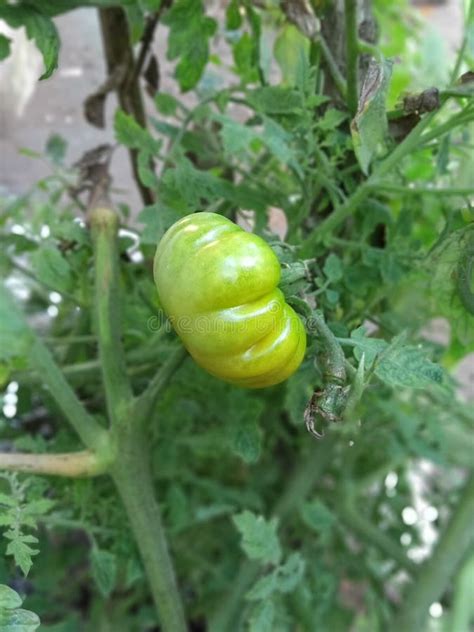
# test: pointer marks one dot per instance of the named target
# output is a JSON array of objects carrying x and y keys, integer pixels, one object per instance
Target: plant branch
[
  {"x": 331, "y": 63},
  {"x": 119, "y": 53},
  {"x": 407, "y": 190},
  {"x": 75, "y": 464},
  {"x": 436, "y": 573},
  {"x": 372, "y": 535},
  {"x": 132, "y": 476},
  {"x": 90, "y": 432},
  {"x": 145, "y": 403},
  {"x": 352, "y": 55},
  {"x": 347, "y": 208},
  {"x": 104, "y": 226}
]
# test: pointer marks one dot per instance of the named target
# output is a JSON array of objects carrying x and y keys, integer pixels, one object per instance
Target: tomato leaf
[
  {"x": 39, "y": 27},
  {"x": 369, "y": 126},
  {"x": 188, "y": 40},
  {"x": 259, "y": 537}
]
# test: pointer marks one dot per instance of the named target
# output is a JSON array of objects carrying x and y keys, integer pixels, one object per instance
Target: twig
[
  {"x": 146, "y": 401},
  {"x": 354, "y": 520},
  {"x": 405, "y": 190},
  {"x": 75, "y": 465},
  {"x": 119, "y": 52},
  {"x": 331, "y": 63}
]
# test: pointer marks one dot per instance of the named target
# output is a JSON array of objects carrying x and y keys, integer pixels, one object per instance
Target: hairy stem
[
  {"x": 104, "y": 226},
  {"x": 74, "y": 464},
  {"x": 437, "y": 572},
  {"x": 133, "y": 479}
]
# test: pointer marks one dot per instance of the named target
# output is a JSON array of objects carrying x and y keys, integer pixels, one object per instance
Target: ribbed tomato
[{"x": 219, "y": 287}]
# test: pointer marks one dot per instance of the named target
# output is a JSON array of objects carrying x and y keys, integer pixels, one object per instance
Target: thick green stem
[
  {"x": 437, "y": 572},
  {"x": 131, "y": 469},
  {"x": 104, "y": 225},
  {"x": 352, "y": 55},
  {"x": 133, "y": 479}
]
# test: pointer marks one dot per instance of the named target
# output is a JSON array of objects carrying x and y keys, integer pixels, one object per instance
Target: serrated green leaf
[
  {"x": 245, "y": 54},
  {"x": 104, "y": 570},
  {"x": 333, "y": 268},
  {"x": 166, "y": 103},
  {"x": 131, "y": 134},
  {"x": 369, "y": 126},
  {"x": 237, "y": 138},
  {"x": 259, "y": 537},
  {"x": 318, "y": 517},
  {"x": 9, "y": 598},
  {"x": 188, "y": 39},
  {"x": 275, "y": 100},
  {"x": 262, "y": 618},
  {"x": 7, "y": 501},
  {"x": 39, "y": 507},
  {"x": 20, "y": 551},
  {"x": 246, "y": 441},
  {"x": 52, "y": 268},
  {"x": 399, "y": 365},
  {"x": 283, "y": 579},
  {"x": 156, "y": 218},
  {"x": 39, "y": 27},
  {"x": 331, "y": 119}
]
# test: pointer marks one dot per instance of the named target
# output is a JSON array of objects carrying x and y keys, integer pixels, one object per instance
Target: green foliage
[
  {"x": 39, "y": 27},
  {"x": 13, "y": 618},
  {"x": 21, "y": 511},
  {"x": 249, "y": 500},
  {"x": 189, "y": 33},
  {"x": 369, "y": 126}
]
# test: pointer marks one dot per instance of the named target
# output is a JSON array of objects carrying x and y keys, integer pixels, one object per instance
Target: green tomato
[{"x": 219, "y": 287}]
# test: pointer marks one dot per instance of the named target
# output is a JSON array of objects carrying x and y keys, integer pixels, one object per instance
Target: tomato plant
[{"x": 139, "y": 492}]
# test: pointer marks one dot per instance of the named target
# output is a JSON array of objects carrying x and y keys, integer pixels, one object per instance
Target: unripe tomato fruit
[{"x": 218, "y": 286}]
